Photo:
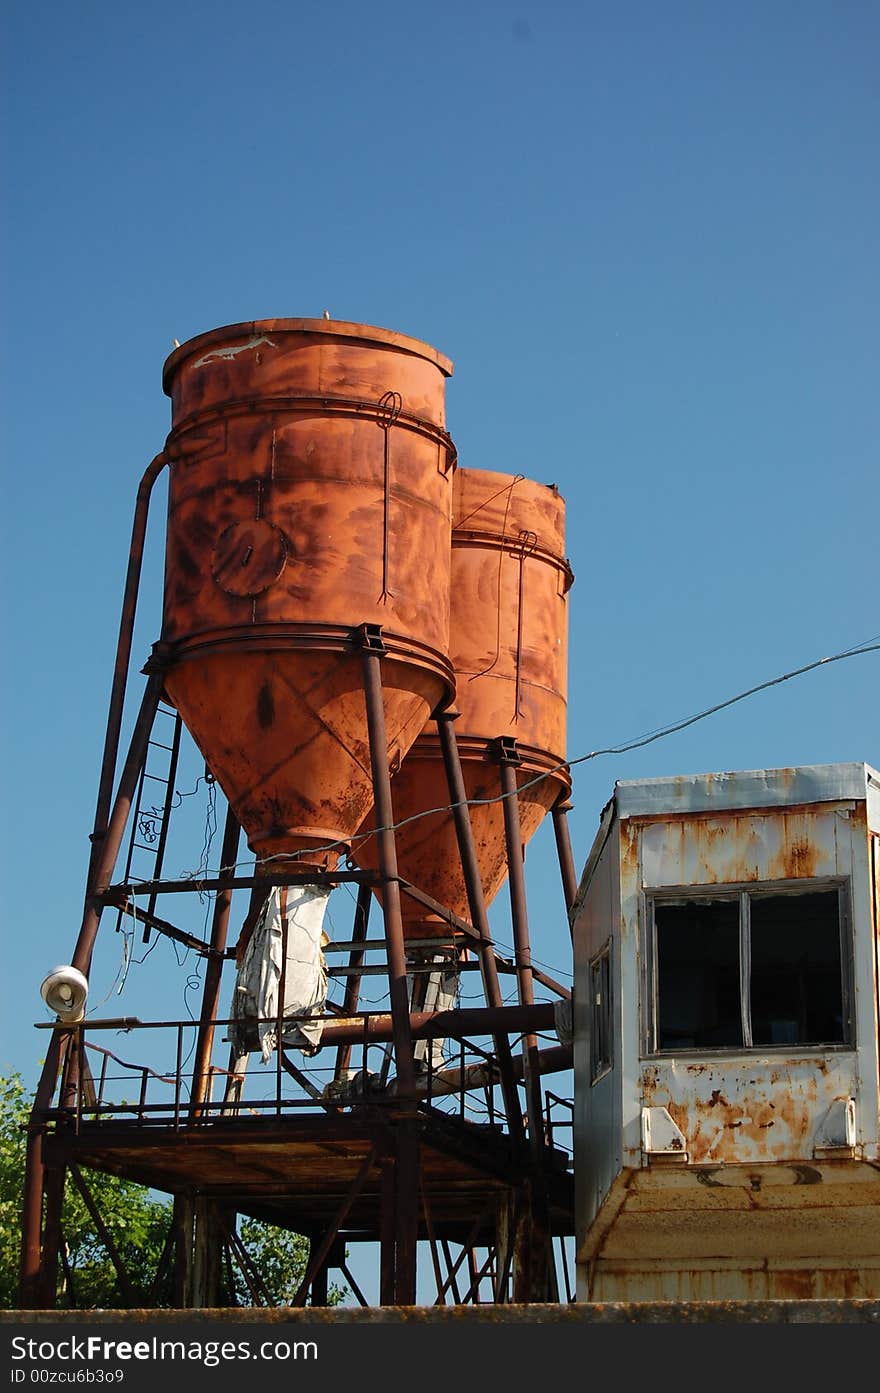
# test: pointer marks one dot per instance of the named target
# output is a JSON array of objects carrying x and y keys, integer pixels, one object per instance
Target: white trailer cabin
[{"x": 727, "y": 1108}]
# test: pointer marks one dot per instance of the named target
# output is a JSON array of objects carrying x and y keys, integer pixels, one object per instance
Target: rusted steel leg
[
  {"x": 388, "y": 1244},
  {"x": 214, "y": 968},
  {"x": 320, "y": 1288},
  {"x": 407, "y": 1213},
  {"x": 477, "y": 905},
  {"x": 561, "y": 809},
  {"x": 353, "y": 981},
  {"x": 208, "y": 1230},
  {"x": 182, "y": 1222},
  {"x": 523, "y": 952},
  {"x": 123, "y": 653},
  {"x": 505, "y": 1237},
  {"x": 54, "y": 1189},
  {"x": 533, "y": 1256},
  {"x": 103, "y": 863},
  {"x": 320, "y": 1281},
  {"x": 432, "y": 1240},
  {"x": 397, "y": 985},
  {"x": 29, "y": 1294}
]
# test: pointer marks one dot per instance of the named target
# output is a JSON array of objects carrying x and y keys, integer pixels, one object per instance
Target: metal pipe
[
  {"x": 105, "y": 858},
  {"x": 54, "y": 1190},
  {"x": 406, "y": 1211},
  {"x": 123, "y": 650},
  {"x": 214, "y": 967},
  {"x": 34, "y": 1176},
  {"x": 476, "y": 1076},
  {"x": 463, "y": 1021},
  {"x": 564, "y": 852},
  {"x": 523, "y": 954},
  {"x": 477, "y": 904},
  {"x": 355, "y": 962},
  {"x": 397, "y": 985}
]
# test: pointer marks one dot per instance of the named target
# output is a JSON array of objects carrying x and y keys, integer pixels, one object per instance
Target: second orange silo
[{"x": 508, "y": 645}]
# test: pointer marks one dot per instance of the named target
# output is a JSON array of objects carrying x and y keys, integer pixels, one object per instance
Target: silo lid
[{"x": 341, "y": 328}]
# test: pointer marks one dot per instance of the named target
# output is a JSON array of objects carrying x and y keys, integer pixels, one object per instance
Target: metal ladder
[{"x": 149, "y": 824}]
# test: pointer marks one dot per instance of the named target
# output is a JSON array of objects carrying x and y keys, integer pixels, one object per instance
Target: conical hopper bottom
[
  {"x": 285, "y": 734},
  {"x": 427, "y": 848}
]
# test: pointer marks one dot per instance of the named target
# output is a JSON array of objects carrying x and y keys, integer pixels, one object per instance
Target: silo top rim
[{"x": 338, "y": 328}]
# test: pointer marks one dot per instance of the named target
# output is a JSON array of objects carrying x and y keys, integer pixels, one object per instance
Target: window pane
[
  {"x": 600, "y": 1033},
  {"x": 698, "y": 1003},
  {"x": 796, "y": 970}
]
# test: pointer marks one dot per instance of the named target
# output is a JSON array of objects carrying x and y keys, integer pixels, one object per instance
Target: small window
[
  {"x": 600, "y": 1014},
  {"x": 750, "y": 968}
]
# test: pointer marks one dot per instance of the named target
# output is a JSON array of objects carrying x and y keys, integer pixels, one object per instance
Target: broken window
[{"x": 749, "y": 968}]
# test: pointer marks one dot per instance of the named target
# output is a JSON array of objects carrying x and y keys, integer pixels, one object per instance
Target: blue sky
[{"x": 646, "y": 234}]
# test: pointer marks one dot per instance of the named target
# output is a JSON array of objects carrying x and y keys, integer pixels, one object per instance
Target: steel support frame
[
  {"x": 401, "y": 1167},
  {"x": 532, "y": 1278}
]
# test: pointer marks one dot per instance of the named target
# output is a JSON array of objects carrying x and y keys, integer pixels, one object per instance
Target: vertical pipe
[
  {"x": 406, "y": 1161},
  {"x": 397, "y": 987},
  {"x": 123, "y": 651},
  {"x": 320, "y": 1283},
  {"x": 522, "y": 950},
  {"x": 214, "y": 968},
  {"x": 34, "y": 1176},
  {"x": 406, "y": 1212},
  {"x": 387, "y": 1237},
  {"x": 477, "y": 904},
  {"x": 563, "y": 850},
  {"x": 353, "y": 981},
  {"x": 105, "y": 857},
  {"x": 182, "y": 1223},
  {"x": 55, "y": 1178}
]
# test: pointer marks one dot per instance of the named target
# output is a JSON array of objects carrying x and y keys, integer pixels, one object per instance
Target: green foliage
[{"x": 138, "y": 1224}]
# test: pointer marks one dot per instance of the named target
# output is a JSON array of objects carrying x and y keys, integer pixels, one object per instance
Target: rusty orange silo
[
  {"x": 310, "y": 494},
  {"x": 508, "y": 644}
]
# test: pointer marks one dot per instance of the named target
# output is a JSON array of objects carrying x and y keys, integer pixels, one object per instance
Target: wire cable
[{"x": 857, "y": 650}]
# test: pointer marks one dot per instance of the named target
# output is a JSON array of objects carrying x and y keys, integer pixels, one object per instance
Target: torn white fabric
[{"x": 292, "y": 920}]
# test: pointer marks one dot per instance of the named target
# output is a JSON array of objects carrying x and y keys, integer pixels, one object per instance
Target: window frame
[
  {"x": 601, "y": 1013},
  {"x": 743, "y": 892}
]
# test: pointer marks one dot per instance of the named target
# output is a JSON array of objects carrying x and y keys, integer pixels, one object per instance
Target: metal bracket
[
  {"x": 504, "y": 750},
  {"x": 371, "y": 639},
  {"x": 661, "y": 1136}
]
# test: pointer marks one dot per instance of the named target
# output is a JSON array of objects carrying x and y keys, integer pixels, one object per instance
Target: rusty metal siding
[
  {"x": 749, "y": 1109},
  {"x": 736, "y": 848},
  {"x": 788, "y": 1094},
  {"x": 597, "y": 1114},
  {"x": 737, "y": 1233},
  {"x": 743, "y": 788},
  {"x": 758, "y": 1119}
]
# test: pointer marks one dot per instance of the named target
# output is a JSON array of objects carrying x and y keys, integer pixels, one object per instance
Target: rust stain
[
  {"x": 629, "y": 852},
  {"x": 279, "y": 540},
  {"x": 507, "y": 643}
]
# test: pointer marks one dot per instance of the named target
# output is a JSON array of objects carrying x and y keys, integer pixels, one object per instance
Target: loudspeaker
[{"x": 64, "y": 991}]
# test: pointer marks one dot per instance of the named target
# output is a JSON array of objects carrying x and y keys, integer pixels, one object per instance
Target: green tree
[{"x": 138, "y": 1224}]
